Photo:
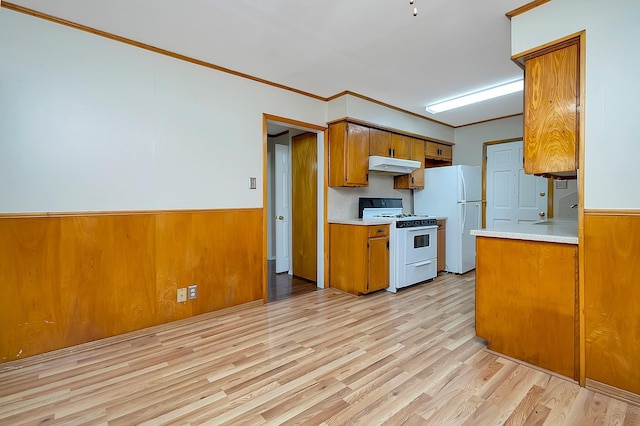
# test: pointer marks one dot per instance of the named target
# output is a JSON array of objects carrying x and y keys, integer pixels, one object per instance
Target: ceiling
[{"x": 375, "y": 48}]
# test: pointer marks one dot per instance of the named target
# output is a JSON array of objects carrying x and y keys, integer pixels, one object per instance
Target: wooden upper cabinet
[
  {"x": 348, "y": 154},
  {"x": 387, "y": 144},
  {"x": 551, "y": 107},
  {"x": 418, "y": 154},
  {"x": 379, "y": 142},
  {"x": 401, "y": 146},
  {"x": 438, "y": 151},
  {"x": 415, "y": 180}
]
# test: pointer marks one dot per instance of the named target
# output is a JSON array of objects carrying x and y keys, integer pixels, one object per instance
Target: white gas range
[{"x": 412, "y": 241}]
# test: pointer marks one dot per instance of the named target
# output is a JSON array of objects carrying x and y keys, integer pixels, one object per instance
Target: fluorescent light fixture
[{"x": 483, "y": 95}]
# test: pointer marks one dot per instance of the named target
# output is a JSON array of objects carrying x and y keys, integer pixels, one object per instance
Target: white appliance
[
  {"x": 456, "y": 193},
  {"x": 412, "y": 241},
  {"x": 395, "y": 166}
]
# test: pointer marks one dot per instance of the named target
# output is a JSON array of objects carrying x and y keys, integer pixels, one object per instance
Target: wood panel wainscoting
[
  {"x": 612, "y": 302},
  {"x": 74, "y": 278},
  {"x": 321, "y": 358}
]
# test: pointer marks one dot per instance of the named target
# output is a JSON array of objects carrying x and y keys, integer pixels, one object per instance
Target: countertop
[
  {"x": 361, "y": 222},
  {"x": 552, "y": 231}
]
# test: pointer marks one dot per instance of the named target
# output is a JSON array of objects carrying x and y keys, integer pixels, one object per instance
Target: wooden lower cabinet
[
  {"x": 442, "y": 245},
  {"x": 358, "y": 257},
  {"x": 526, "y": 301}
]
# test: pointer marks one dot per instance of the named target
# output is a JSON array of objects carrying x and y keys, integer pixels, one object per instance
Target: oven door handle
[{"x": 424, "y": 263}]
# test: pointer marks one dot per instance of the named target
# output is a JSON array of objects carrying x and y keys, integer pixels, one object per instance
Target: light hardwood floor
[{"x": 319, "y": 358}]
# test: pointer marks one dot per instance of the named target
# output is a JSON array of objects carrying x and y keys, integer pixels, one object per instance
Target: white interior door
[
  {"x": 282, "y": 207},
  {"x": 512, "y": 196}
]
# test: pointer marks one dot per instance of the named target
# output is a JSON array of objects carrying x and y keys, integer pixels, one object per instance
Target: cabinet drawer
[
  {"x": 418, "y": 272},
  {"x": 378, "y": 231}
]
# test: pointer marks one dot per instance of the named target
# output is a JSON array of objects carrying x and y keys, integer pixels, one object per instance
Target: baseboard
[
  {"x": 101, "y": 343},
  {"x": 613, "y": 392}
]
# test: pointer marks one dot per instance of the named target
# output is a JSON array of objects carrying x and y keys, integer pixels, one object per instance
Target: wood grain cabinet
[
  {"x": 551, "y": 108},
  {"x": 526, "y": 301},
  {"x": 438, "y": 154},
  {"x": 358, "y": 257},
  {"x": 388, "y": 144},
  {"x": 442, "y": 245},
  {"x": 415, "y": 180},
  {"x": 348, "y": 154}
]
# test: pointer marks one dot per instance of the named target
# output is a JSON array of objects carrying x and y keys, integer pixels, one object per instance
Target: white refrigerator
[{"x": 454, "y": 192}]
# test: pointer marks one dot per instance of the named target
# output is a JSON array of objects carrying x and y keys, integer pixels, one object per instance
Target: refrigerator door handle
[
  {"x": 464, "y": 186},
  {"x": 464, "y": 217}
]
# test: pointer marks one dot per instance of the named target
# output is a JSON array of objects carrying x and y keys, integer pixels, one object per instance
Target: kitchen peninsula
[{"x": 526, "y": 293}]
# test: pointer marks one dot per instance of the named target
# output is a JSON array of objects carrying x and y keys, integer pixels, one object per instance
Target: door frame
[
  {"x": 484, "y": 181},
  {"x": 323, "y": 227}
]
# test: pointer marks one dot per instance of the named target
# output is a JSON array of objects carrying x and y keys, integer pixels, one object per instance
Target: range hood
[{"x": 394, "y": 166}]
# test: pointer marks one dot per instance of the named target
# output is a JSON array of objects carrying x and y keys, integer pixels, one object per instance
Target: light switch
[{"x": 252, "y": 183}]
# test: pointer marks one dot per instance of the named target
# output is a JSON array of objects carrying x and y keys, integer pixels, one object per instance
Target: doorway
[{"x": 294, "y": 216}]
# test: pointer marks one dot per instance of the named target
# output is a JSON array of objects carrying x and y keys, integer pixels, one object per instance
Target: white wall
[
  {"x": 355, "y": 107},
  {"x": 612, "y": 90},
  {"x": 343, "y": 202},
  {"x": 469, "y": 139},
  {"x": 87, "y": 123}
]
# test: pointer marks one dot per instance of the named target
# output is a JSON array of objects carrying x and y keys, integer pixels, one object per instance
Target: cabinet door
[
  {"x": 417, "y": 154},
  {"x": 357, "y": 155},
  {"x": 446, "y": 152},
  {"x": 379, "y": 143},
  {"x": 415, "y": 180},
  {"x": 442, "y": 245},
  {"x": 348, "y": 257},
  {"x": 551, "y": 98},
  {"x": 432, "y": 150},
  {"x": 401, "y": 146},
  {"x": 378, "y": 264}
]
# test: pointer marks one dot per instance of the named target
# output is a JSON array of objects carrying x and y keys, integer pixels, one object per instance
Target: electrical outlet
[
  {"x": 182, "y": 295},
  {"x": 192, "y": 292}
]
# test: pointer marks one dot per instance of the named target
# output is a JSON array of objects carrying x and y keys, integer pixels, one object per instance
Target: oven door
[{"x": 420, "y": 244}]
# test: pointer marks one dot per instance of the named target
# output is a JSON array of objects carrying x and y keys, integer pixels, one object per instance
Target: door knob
[
  {"x": 542, "y": 194},
  {"x": 280, "y": 217},
  {"x": 542, "y": 214}
]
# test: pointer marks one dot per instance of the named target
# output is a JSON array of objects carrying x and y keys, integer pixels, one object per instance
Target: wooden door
[
  {"x": 304, "y": 205},
  {"x": 551, "y": 94}
]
